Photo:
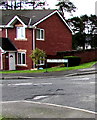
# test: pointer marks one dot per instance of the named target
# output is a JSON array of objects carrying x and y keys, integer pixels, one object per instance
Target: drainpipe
[
  {"x": 34, "y": 38},
  {"x": 6, "y": 33},
  {"x": 34, "y": 45}
]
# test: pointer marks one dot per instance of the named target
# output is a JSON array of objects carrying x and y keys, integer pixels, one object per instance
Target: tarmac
[{"x": 30, "y": 109}]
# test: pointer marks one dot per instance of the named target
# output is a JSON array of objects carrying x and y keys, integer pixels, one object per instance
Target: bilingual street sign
[{"x": 57, "y": 60}]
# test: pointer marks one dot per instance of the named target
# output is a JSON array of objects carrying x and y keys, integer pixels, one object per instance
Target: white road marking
[
  {"x": 25, "y": 84},
  {"x": 93, "y": 82},
  {"x": 81, "y": 79},
  {"x": 49, "y": 104},
  {"x": 42, "y": 84},
  {"x": 39, "y": 97},
  {"x": 20, "y": 84}
]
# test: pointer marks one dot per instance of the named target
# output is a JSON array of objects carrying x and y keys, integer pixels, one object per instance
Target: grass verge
[{"x": 81, "y": 66}]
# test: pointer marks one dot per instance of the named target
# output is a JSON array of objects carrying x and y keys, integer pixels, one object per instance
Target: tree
[
  {"x": 66, "y": 6},
  {"x": 37, "y": 3},
  {"x": 85, "y": 29},
  {"x": 23, "y": 4},
  {"x": 80, "y": 27},
  {"x": 37, "y": 56}
]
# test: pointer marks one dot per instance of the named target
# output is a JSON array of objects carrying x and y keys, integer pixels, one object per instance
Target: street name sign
[{"x": 57, "y": 60}]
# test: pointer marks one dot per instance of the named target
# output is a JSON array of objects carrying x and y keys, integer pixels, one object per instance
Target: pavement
[
  {"x": 92, "y": 70},
  {"x": 31, "y": 109}
]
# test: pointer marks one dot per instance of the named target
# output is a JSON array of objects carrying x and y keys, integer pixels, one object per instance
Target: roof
[
  {"x": 29, "y": 18},
  {"x": 24, "y": 15},
  {"x": 7, "y": 45}
]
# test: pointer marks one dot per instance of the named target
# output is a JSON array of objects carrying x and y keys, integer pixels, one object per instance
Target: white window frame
[
  {"x": 21, "y": 64},
  {"x": 20, "y": 32},
  {"x": 41, "y": 62},
  {"x": 40, "y": 32}
]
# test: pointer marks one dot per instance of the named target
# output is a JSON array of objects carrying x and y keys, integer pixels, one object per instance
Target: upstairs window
[
  {"x": 21, "y": 32},
  {"x": 40, "y": 34}
]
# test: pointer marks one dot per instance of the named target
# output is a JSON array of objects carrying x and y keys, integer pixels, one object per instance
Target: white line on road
[
  {"x": 20, "y": 84},
  {"x": 25, "y": 84},
  {"x": 81, "y": 79},
  {"x": 43, "y": 84}
]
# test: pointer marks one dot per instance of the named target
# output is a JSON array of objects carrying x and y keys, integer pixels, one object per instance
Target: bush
[{"x": 72, "y": 60}]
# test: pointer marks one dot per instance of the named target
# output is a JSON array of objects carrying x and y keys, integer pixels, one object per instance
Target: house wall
[
  {"x": 3, "y": 33},
  {"x": 57, "y": 36},
  {"x": 23, "y": 45}
]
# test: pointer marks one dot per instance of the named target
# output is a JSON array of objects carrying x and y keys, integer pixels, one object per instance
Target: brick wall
[
  {"x": 85, "y": 55},
  {"x": 23, "y": 45},
  {"x": 57, "y": 36}
]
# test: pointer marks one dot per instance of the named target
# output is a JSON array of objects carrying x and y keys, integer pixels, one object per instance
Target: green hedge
[{"x": 73, "y": 60}]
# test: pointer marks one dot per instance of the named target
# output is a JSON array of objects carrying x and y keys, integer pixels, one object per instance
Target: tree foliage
[
  {"x": 37, "y": 56},
  {"x": 85, "y": 30},
  {"x": 22, "y": 4},
  {"x": 66, "y": 6}
]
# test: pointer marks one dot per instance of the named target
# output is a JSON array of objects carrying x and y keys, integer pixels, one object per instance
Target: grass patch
[
  {"x": 81, "y": 66},
  {"x": 0, "y": 117},
  {"x": 10, "y": 118}
]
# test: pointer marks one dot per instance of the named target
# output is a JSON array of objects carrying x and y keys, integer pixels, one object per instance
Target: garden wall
[{"x": 85, "y": 55}]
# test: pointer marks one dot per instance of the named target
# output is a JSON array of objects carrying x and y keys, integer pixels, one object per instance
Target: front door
[{"x": 12, "y": 65}]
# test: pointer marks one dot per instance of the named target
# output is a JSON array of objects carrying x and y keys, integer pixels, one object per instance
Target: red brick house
[{"x": 28, "y": 29}]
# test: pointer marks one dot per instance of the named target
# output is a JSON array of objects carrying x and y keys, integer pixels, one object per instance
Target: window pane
[
  {"x": 19, "y": 58},
  {"x": 38, "y": 34},
  {"x": 20, "y": 32},
  {"x": 42, "y": 34},
  {"x": 23, "y": 58}
]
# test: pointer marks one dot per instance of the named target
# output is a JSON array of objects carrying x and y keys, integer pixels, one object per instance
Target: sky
[{"x": 83, "y": 6}]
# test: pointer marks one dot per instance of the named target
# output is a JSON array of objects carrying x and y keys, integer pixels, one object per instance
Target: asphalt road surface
[{"x": 74, "y": 91}]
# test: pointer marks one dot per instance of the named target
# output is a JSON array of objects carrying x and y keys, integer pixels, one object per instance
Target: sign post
[{"x": 66, "y": 61}]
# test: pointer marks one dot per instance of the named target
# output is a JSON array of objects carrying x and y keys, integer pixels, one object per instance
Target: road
[{"x": 73, "y": 91}]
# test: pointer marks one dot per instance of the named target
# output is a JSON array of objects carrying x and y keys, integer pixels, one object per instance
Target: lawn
[{"x": 81, "y": 66}]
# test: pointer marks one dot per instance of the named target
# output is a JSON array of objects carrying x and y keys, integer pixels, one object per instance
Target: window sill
[
  {"x": 21, "y": 39},
  {"x": 40, "y": 39}
]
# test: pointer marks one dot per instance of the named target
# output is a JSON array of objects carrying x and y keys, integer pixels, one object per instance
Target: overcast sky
[{"x": 84, "y": 6}]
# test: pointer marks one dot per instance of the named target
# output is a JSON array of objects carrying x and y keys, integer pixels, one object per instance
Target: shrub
[{"x": 73, "y": 60}]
